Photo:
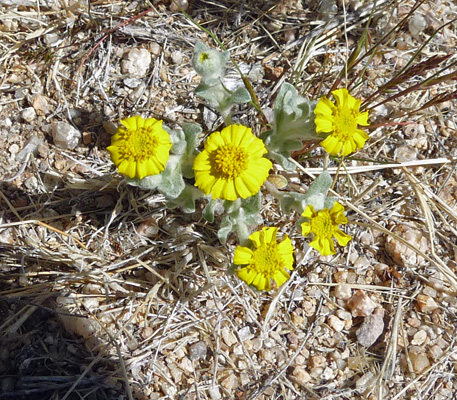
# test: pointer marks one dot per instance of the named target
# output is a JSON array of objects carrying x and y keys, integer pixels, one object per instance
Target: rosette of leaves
[{"x": 293, "y": 123}]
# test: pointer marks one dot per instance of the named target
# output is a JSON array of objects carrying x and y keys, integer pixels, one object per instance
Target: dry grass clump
[{"x": 105, "y": 293}]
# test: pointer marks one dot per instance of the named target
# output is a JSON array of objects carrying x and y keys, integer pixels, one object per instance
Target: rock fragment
[
  {"x": 137, "y": 62},
  {"x": 361, "y": 305},
  {"x": 197, "y": 351},
  {"x": 426, "y": 303},
  {"x": 371, "y": 329},
  {"x": 419, "y": 359},
  {"x": 65, "y": 135}
]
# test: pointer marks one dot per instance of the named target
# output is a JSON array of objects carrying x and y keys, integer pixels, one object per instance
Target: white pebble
[
  {"x": 361, "y": 305},
  {"x": 137, "y": 62},
  {"x": 13, "y": 149},
  {"x": 335, "y": 323},
  {"x": 197, "y": 351},
  {"x": 301, "y": 375},
  {"x": 244, "y": 333},
  {"x": 417, "y": 24},
  {"x": 343, "y": 292},
  {"x": 65, "y": 135},
  {"x": 31, "y": 183},
  {"x": 419, "y": 338},
  {"x": 28, "y": 114},
  {"x": 229, "y": 338}
]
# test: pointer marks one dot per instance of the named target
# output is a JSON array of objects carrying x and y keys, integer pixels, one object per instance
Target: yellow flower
[
  {"x": 341, "y": 121},
  {"x": 266, "y": 261},
  {"x": 231, "y": 165},
  {"x": 324, "y": 225},
  {"x": 140, "y": 147}
]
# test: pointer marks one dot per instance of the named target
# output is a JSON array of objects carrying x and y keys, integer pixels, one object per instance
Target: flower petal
[
  {"x": 341, "y": 97},
  {"x": 309, "y": 212},
  {"x": 324, "y": 107},
  {"x": 332, "y": 145},
  {"x": 246, "y": 274},
  {"x": 269, "y": 234},
  {"x": 261, "y": 283},
  {"x": 342, "y": 238},
  {"x": 242, "y": 256},
  {"x": 362, "y": 119},
  {"x": 280, "y": 277}
]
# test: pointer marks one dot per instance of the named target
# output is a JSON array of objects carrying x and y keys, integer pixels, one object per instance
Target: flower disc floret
[
  {"x": 323, "y": 224},
  {"x": 341, "y": 121},
  {"x": 232, "y": 165},
  {"x": 265, "y": 259},
  {"x": 140, "y": 147}
]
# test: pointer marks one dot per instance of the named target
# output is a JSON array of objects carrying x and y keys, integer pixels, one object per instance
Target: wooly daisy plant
[{"x": 234, "y": 164}]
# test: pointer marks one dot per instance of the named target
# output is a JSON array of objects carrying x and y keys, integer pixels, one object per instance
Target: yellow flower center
[
  {"x": 266, "y": 259},
  {"x": 230, "y": 161},
  {"x": 204, "y": 57},
  {"x": 345, "y": 122},
  {"x": 322, "y": 224},
  {"x": 139, "y": 145}
]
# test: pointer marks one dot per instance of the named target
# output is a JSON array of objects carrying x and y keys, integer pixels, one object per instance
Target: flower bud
[{"x": 209, "y": 63}]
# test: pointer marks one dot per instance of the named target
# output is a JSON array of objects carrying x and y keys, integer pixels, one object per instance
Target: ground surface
[{"x": 102, "y": 285}]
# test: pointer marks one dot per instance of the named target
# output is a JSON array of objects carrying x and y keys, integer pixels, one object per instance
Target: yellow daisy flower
[
  {"x": 231, "y": 165},
  {"x": 341, "y": 121},
  {"x": 266, "y": 261},
  {"x": 140, "y": 147},
  {"x": 324, "y": 225}
]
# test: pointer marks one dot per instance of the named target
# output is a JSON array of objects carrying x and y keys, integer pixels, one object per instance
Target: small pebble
[
  {"x": 31, "y": 183},
  {"x": 335, "y": 323},
  {"x": 197, "y": 351},
  {"x": 301, "y": 375},
  {"x": 28, "y": 114},
  {"x": 436, "y": 352},
  {"x": 65, "y": 135},
  {"x": 132, "y": 83},
  {"x": 137, "y": 62},
  {"x": 317, "y": 361},
  {"x": 231, "y": 382},
  {"x": 177, "y": 57},
  {"x": 417, "y": 24},
  {"x": 13, "y": 149},
  {"x": 41, "y": 104},
  {"x": 361, "y": 305},
  {"x": 155, "y": 49},
  {"x": 146, "y": 332},
  {"x": 367, "y": 238},
  {"x": 405, "y": 153},
  {"x": 365, "y": 381},
  {"x": 426, "y": 303},
  {"x": 429, "y": 291},
  {"x": 244, "y": 333},
  {"x": 419, "y": 338},
  {"x": 178, "y": 5},
  {"x": 419, "y": 359},
  {"x": 148, "y": 228},
  {"x": 343, "y": 292},
  {"x": 371, "y": 329},
  {"x": 214, "y": 393},
  {"x": 229, "y": 338}
]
